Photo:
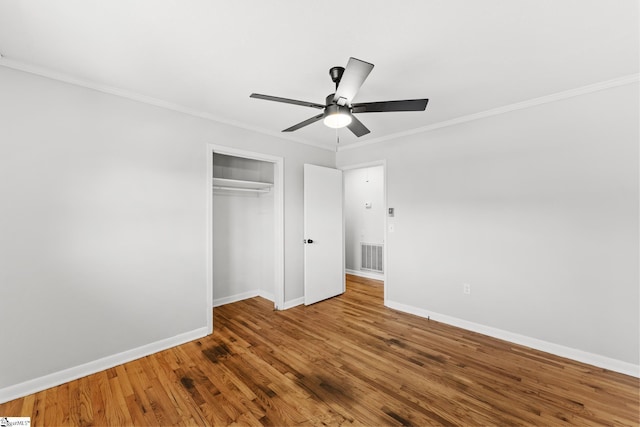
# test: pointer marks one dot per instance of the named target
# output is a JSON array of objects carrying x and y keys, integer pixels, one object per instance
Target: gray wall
[
  {"x": 536, "y": 209},
  {"x": 103, "y": 214},
  {"x": 103, "y": 221}
]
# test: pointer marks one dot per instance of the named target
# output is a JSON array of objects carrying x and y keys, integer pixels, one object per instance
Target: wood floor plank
[
  {"x": 344, "y": 361},
  {"x": 138, "y": 404},
  {"x": 51, "y": 406},
  {"x": 74, "y": 403},
  {"x": 39, "y": 409},
  {"x": 97, "y": 384},
  {"x": 27, "y": 406},
  {"x": 62, "y": 405},
  {"x": 119, "y": 407},
  {"x": 178, "y": 396}
]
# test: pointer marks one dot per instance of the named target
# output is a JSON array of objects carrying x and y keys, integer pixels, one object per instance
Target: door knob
[{"x": 308, "y": 241}]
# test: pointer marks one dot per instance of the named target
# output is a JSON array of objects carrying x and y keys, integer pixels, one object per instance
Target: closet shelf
[{"x": 240, "y": 185}]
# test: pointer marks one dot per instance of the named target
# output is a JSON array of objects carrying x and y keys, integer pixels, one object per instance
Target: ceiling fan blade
[
  {"x": 352, "y": 78},
  {"x": 384, "y": 106},
  {"x": 357, "y": 127},
  {"x": 304, "y": 123},
  {"x": 286, "y": 100}
]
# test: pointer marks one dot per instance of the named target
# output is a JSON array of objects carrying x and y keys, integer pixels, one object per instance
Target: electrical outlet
[{"x": 466, "y": 288}]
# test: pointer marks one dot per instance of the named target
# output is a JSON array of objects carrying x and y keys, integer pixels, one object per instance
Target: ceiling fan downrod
[{"x": 336, "y": 75}]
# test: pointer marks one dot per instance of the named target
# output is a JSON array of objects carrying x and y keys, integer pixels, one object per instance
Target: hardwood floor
[{"x": 348, "y": 360}]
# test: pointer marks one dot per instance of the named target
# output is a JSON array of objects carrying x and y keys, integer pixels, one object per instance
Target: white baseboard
[
  {"x": 365, "y": 274},
  {"x": 55, "y": 379},
  {"x": 548, "y": 347},
  {"x": 242, "y": 296},
  {"x": 235, "y": 298},
  {"x": 294, "y": 302},
  {"x": 267, "y": 295}
]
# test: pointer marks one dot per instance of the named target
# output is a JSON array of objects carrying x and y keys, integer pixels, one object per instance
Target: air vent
[{"x": 372, "y": 257}]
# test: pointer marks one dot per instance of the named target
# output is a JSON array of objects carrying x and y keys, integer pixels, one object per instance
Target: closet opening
[{"x": 246, "y": 232}]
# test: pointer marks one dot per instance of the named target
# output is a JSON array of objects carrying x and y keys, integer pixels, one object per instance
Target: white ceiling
[{"x": 466, "y": 56}]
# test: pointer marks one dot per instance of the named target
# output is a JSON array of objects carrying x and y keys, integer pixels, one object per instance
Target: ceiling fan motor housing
[
  {"x": 336, "y": 109},
  {"x": 342, "y": 103},
  {"x": 329, "y": 99}
]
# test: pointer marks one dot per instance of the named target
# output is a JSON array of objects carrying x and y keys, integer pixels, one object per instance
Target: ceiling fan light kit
[
  {"x": 336, "y": 116},
  {"x": 338, "y": 109}
]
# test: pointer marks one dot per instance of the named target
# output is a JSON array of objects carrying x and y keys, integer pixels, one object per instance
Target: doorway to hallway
[{"x": 365, "y": 221}]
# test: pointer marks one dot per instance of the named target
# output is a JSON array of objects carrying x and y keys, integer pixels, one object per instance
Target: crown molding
[
  {"x": 110, "y": 90},
  {"x": 583, "y": 90},
  {"x": 44, "y": 72}
]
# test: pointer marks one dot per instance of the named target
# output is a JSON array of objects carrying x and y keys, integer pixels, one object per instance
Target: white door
[{"x": 323, "y": 234}]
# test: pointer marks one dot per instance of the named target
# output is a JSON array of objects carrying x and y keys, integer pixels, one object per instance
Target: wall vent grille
[{"x": 372, "y": 257}]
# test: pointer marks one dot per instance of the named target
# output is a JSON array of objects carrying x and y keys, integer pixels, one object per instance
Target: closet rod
[{"x": 254, "y": 190}]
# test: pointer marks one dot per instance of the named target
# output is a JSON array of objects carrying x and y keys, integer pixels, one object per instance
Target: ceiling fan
[{"x": 338, "y": 109}]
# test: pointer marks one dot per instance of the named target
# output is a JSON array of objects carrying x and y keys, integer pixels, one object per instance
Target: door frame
[
  {"x": 278, "y": 221},
  {"x": 383, "y": 163}
]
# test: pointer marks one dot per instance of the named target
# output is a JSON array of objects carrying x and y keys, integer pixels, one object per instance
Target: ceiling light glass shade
[{"x": 337, "y": 117}]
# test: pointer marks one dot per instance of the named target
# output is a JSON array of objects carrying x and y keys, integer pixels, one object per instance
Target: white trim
[
  {"x": 365, "y": 274},
  {"x": 266, "y": 295},
  {"x": 235, "y": 298},
  {"x": 209, "y": 237},
  {"x": 293, "y": 303},
  {"x": 55, "y": 379},
  {"x": 134, "y": 96},
  {"x": 620, "y": 81},
  {"x": 43, "y": 72},
  {"x": 243, "y": 296},
  {"x": 278, "y": 216},
  {"x": 548, "y": 347}
]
